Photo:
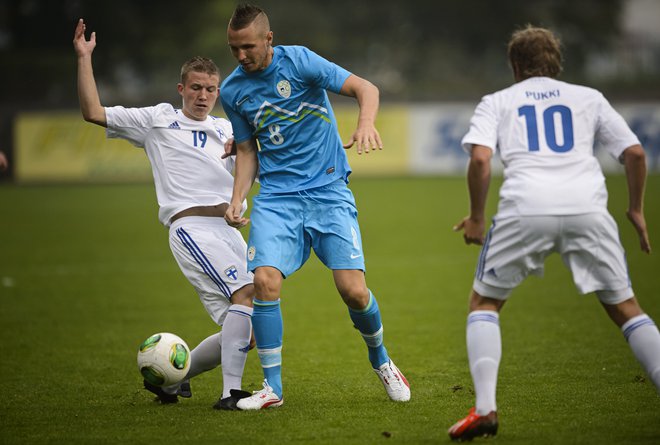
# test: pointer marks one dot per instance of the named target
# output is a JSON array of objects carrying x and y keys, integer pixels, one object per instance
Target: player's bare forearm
[
  {"x": 247, "y": 165},
  {"x": 634, "y": 161},
  {"x": 366, "y": 136},
  {"x": 478, "y": 179},
  {"x": 88, "y": 96}
]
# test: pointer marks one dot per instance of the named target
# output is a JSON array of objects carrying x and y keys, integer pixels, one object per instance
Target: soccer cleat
[
  {"x": 229, "y": 403},
  {"x": 184, "y": 390},
  {"x": 263, "y": 399},
  {"x": 473, "y": 426},
  {"x": 394, "y": 381},
  {"x": 161, "y": 395}
]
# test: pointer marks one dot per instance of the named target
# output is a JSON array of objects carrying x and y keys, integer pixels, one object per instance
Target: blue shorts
[{"x": 285, "y": 226}]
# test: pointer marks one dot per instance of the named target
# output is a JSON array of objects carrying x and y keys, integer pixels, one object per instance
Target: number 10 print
[{"x": 565, "y": 118}]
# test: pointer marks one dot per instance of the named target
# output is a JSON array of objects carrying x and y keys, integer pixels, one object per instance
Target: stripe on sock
[
  {"x": 374, "y": 340},
  {"x": 487, "y": 316},
  {"x": 241, "y": 313},
  {"x": 270, "y": 357},
  {"x": 635, "y": 323}
]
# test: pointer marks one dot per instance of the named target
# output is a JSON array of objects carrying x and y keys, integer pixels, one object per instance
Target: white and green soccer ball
[{"x": 163, "y": 359}]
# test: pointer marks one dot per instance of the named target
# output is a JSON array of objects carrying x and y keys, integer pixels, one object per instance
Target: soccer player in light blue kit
[{"x": 277, "y": 96}]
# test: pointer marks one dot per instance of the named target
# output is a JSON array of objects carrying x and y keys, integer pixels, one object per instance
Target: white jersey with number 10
[{"x": 545, "y": 131}]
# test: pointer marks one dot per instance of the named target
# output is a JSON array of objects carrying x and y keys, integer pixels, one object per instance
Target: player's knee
[
  {"x": 244, "y": 296},
  {"x": 623, "y": 311},
  {"x": 355, "y": 297},
  {"x": 480, "y": 303},
  {"x": 267, "y": 284}
]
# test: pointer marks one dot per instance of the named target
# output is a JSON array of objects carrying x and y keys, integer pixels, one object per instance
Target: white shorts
[
  {"x": 588, "y": 244},
  {"x": 212, "y": 255}
]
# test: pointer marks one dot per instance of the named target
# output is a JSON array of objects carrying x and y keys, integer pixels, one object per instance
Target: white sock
[
  {"x": 236, "y": 330},
  {"x": 207, "y": 355},
  {"x": 644, "y": 340},
  {"x": 484, "y": 345}
]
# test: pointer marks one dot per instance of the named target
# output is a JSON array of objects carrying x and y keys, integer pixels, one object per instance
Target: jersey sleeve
[
  {"x": 241, "y": 128},
  {"x": 132, "y": 124},
  {"x": 483, "y": 126},
  {"x": 319, "y": 71},
  {"x": 612, "y": 132}
]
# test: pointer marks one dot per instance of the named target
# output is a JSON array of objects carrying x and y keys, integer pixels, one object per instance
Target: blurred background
[{"x": 432, "y": 61}]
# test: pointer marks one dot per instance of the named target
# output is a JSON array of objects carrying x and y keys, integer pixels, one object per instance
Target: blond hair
[
  {"x": 534, "y": 52},
  {"x": 199, "y": 64}
]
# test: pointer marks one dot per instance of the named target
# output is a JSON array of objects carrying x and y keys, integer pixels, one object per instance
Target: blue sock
[
  {"x": 268, "y": 329},
  {"x": 367, "y": 321}
]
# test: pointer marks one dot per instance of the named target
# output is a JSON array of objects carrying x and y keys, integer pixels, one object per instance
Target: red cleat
[{"x": 473, "y": 426}]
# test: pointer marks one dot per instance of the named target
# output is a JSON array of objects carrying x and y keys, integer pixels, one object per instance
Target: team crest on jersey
[
  {"x": 284, "y": 88},
  {"x": 231, "y": 272},
  {"x": 251, "y": 252}
]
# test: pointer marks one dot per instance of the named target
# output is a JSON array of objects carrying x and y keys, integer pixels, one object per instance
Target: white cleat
[
  {"x": 262, "y": 399},
  {"x": 394, "y": 381}
]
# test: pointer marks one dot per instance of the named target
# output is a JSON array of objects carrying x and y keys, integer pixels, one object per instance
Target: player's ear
[{"x": 179, "y": 88}]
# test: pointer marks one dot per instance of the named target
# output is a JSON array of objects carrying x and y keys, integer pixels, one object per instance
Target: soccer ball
[{"x": 163, "y": 359}]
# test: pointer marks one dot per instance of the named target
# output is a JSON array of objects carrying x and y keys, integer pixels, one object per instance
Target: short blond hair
[
  {"x": 535, "y": 52},
  {"x": 199, "y": 64}
]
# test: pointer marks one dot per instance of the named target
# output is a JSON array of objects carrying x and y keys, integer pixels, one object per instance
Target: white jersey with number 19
[
  {"x": 185, "y": 155},
  {"x": 545, "y": 131}
]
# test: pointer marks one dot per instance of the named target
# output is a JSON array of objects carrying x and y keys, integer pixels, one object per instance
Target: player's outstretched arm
[
  {"x": 365, "y": 137},
  {"x": 4, "y": 163},
  {"x": 478, "y": 178},
  {"x": 88, "y": 96},
  {"x": 634, "y": 161},
  {"x": 247, "y": 165}
]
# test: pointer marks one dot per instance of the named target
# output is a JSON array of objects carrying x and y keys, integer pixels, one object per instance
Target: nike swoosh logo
[{"x": 355, "y": 256}]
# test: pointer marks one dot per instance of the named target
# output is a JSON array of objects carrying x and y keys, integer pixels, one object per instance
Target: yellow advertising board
[
  {"x": 392, "y": 124},
  {"x": 61, "y": 146}
]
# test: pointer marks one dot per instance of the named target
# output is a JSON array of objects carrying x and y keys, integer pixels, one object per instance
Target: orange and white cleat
[{"x": 473, "y": 426}]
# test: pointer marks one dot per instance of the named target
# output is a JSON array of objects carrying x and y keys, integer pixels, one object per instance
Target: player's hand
[
  {"x": 473, "y": 230},
  {"x": 4, "y": 163},
  {"x": 234, "y": 218},
  {"x": 230, "y": 148},
  {"x": 82, "y": 46},
  {"x": 365, "y": 138},
  {"x": 639, "y": 223}
]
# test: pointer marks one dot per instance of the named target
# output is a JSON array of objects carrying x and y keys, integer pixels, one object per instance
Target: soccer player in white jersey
[
  {"x": 192, "y": 175},
  {"x": 553, "y": 199},
  {"x": 277, "y": 96}
]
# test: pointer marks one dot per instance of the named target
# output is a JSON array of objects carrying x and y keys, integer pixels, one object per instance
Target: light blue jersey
[{"x": 286, "y": 108}]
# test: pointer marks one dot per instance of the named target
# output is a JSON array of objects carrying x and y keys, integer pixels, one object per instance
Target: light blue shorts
[{"x": 285, "y": 226}]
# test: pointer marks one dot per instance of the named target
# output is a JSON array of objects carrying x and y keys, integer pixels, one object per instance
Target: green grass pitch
[{"x": 86, "y": 275}]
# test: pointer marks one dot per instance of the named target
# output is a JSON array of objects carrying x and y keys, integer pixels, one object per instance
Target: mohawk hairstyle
[
  {"x": 244, "y": 15},
  {"x": 535, "y": 52}
]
